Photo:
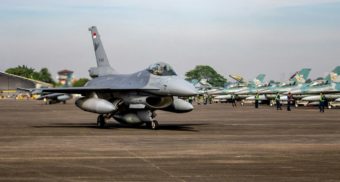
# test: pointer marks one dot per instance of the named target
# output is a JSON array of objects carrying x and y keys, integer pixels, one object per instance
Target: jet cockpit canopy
[{"x": 161, "y": 69}]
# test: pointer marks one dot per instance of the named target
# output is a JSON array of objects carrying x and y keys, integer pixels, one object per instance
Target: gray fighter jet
[
  {"x": 48, "y": 98},
  {"x": 130, "y": 99},
  {"x": 55, "y": 98}
]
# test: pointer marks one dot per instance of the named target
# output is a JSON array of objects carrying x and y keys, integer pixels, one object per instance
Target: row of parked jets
[{"x": 305, "y": 91}]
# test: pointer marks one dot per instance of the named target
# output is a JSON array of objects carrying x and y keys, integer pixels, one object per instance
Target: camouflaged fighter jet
[
  {"x": 243, "y": 87},
  {"x": 130, "y": 99},
  {"x": 330, "y": 86},
  {"x": 267, "y": 94},
  {"x": 296, "y": 81}
]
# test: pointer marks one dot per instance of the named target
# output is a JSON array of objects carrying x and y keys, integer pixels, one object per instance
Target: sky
[{"x": 246, "y": 37}]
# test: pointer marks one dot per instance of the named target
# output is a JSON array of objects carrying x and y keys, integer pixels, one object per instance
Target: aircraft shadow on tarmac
[{"x": 170, "y": 127}]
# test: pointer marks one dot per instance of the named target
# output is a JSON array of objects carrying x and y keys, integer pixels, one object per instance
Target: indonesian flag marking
[{"x": 94, "y": 35}]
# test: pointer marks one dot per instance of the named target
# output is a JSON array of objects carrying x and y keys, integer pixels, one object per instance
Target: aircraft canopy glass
[{"x": 161, "y": 69}]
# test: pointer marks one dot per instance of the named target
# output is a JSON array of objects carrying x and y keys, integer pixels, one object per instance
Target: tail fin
[
  {"x": 334, "y": 76},
  {"x": 258, "y": 81},
  {"x": 302, "y": 75},
  {"x": 103, "y": 65},
  {"x": 260, "y": 78}
]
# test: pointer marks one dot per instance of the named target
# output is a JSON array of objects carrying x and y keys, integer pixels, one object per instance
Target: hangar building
[{"x": 9, "y": 83}]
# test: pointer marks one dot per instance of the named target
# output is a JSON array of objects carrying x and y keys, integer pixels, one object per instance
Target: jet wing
[
  {"x": 50, "y": 96},
  {"x": 30, "y": 90},
  {"x": 81, "y": 90},
  {"x": 324, "y": 92},
  {"x": 25, "y": 89}
]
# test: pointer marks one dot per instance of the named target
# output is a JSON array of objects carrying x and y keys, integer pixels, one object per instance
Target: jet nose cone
[
  {"x": 186, "y": 89},
  {"x": 180, "y": 87}
]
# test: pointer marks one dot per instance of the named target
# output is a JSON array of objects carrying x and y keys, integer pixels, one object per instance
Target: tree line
[{"x": 42, "y": 75}]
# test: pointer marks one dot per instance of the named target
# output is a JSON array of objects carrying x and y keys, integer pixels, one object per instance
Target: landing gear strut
[
  {"x": 101, "y": 121},
  {"x": 154, "y": 124}
]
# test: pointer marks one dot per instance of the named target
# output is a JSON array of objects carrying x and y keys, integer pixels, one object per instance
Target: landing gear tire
[
  {"x": 101, "y": 121},
  {"x": 154, "y": 125}
]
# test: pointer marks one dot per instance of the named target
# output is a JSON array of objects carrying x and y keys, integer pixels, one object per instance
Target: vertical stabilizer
[
  {"x": 302, "y": 75},
  {"x": 260, "y": 78},
  {"x": 103, "y": 65},
  {"x": 334, "y": 76},
  {"x": 258, "y": 81}
]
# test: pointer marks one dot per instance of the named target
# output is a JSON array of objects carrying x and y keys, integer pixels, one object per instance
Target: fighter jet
[
  {"x": 296, "y": 81},
  {"x": 267, "y": 94},
  {"x": 331, "y": 92},
  {"x": 202, "y": 86},
  {"x": 130, "y": 99},
  {"x": 55, "y": 98},
  {"x": 253, "y": 87},
  {"x": 309, "y": 94},
  {"x": 320, "y": 85},
  {"x": 241, "y": 88},
  {"x": 48, "y": 98}
]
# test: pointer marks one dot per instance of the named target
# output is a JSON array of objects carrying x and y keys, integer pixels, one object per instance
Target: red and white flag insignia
[{"x": 94, "y": 35}]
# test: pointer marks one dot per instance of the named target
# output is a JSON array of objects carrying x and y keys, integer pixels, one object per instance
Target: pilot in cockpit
[{"x": 161, "y": 69}]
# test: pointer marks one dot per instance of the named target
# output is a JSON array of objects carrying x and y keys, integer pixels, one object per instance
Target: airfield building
[
  {"x": 9, "y": 83},
  {"x": 65, "y": 77}
]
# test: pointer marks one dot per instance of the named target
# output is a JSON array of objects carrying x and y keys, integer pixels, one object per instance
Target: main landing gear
[
  {"x": 101, "y": 121},
  {"x": 152, "y": 125}
]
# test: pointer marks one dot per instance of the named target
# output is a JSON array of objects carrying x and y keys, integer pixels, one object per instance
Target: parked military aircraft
[
  {"x": 55, "y": 98},
  {"x": 240, "y": 89},
  {"x": 202, "y": 86},
  {"x": 130, "y": 99},
  {"x": 330, "y": 86},
  {"x": 267, "y": 94},
  {"x": 318, "y": 85},
  {"x": 48, "y": 98},
  {"x": 295, "y": 82}
]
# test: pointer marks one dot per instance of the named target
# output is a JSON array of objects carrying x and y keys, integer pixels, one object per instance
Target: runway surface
[{"x": 213, "y": 143}]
